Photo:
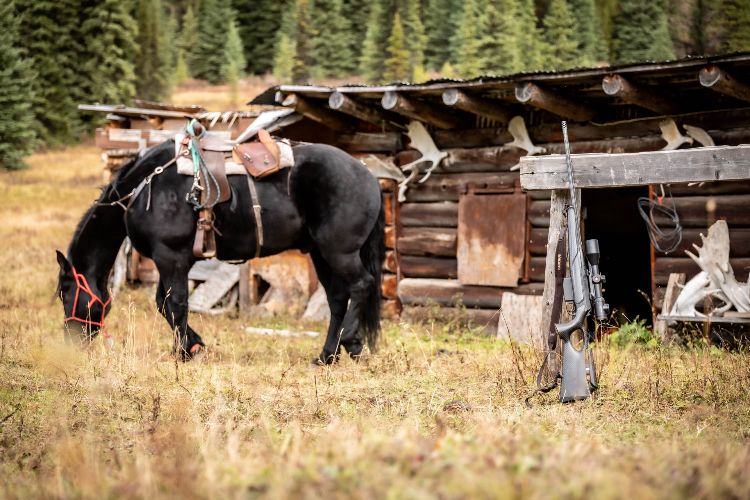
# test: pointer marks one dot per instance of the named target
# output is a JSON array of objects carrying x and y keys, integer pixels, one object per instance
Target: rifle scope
[{"x": 596, "y": 278}]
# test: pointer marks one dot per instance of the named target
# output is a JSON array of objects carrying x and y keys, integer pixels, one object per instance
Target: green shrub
[{"x": 634, "y": 333}]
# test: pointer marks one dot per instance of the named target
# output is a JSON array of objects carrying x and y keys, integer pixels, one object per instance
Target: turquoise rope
[{"x": 192, "y": 147}]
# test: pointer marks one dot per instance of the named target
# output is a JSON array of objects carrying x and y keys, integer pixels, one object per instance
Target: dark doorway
[{"x": 611, "y": 216}]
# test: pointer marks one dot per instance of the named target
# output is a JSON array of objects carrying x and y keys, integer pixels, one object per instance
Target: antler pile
[{"x": 716, "y": 278}]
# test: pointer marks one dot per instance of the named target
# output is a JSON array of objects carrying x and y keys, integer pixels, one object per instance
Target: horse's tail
[{"x": 372, "y": 254}]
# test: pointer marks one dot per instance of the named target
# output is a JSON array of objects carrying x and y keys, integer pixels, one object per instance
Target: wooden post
[
  {"x": 661, "y": 328},
  {"x": 477, "y": 105},
  {"x": 245, "y": 299},
  {"x": 558, "y": 224},
  {"x": 618, "y": 86},
  {"x": 417, "y": 110},
  {"x": 716, "y": 79},
  {"x": 534, "y": 95}
]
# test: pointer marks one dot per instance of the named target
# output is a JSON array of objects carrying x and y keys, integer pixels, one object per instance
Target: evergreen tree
[
  {"x": 439, "y": 22},
  {"x": 17, "y": 126},
  {"x": 588, "y": 32},
  {"x": 49, "y": 37},
  {"x": 259, "y": 22},
  {"x": 530, "y": 41},
  {"x": 356, "y": 12},
  {"x": 736, "y": 14},
  {"x": 371, "y": 61},
  {"x": 641, "y": 32},
  {"x": 108, "y": 32},
  {"x": 152, "y": 67},
  {"x": 187, "y": 39},
  {"x": 303, "y": 60},
  {"x": 397, "y": 64},
  {"x": 332, "y": 40},
  {"x": 561, "y": 47},
  {"x": 284, "y": 58},
  {"x": 416, "y": 38},
  {"x": 467, "y": 60},
  {"x": 234, "y": 60},
  {"x": 212, "y": 38},
  {"x": 498, "y": 39}
]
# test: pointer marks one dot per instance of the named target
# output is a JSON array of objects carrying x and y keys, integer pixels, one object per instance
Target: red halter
[{"x": 83, "y": 284}]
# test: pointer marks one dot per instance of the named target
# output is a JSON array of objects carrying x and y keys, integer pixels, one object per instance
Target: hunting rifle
[{"x": 578, "y": 374}]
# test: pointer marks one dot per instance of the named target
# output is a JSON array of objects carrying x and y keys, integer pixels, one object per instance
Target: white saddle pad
[{"x": 185, "y": 163}]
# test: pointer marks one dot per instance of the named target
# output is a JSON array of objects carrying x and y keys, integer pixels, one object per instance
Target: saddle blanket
[{"x": 221, "y": 142}]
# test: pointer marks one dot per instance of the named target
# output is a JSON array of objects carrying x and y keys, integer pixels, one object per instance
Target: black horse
[{"x": 327, "y": 204}]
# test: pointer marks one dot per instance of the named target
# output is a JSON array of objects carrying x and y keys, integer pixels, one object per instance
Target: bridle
[{"x": 83, "y": 284}]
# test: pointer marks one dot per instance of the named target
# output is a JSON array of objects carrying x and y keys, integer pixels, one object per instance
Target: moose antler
[
  {"x": 716, "y": 278},
  {"x": 421, "y": 141}
]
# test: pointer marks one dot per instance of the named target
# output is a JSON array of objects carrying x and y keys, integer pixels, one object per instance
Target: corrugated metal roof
[{"x": 575, "y": 76}]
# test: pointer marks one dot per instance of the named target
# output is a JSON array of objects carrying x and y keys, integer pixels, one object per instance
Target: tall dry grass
[{"x": 437, "y": 412}]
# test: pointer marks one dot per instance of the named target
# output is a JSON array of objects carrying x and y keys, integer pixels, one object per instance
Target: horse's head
[{"x": 85, "y": 302}]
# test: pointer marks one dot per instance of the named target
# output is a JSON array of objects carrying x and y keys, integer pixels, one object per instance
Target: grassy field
[{"x": 438, "y": 412}]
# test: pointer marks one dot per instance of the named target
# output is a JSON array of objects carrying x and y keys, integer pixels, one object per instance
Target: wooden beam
[
  {"x": 477, "y": 105},
  {"x": 367, "y": 142},
  {"x": 719, "y": 80},
  {"x": 345, "y": 104},
  {"x": 317, "y": 113},
  {"x": 438, "y": 214},
  {"x": 426, "y": 291},
  {"x": 417, "y": 110},
  {"x": 718, "y": 163},
  {"x": 532, "y": 94},
  {"x": 617, "y": 86}
]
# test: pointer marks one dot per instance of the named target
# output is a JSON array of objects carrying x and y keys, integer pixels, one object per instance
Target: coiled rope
[{"x": 663, "y": 240}]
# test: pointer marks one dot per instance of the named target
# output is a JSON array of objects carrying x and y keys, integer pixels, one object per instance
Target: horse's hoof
[{"x": 194, "y": 350}]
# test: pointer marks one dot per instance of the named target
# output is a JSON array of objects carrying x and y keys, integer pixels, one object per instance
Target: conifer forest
[{"x": 56, "y": 54}]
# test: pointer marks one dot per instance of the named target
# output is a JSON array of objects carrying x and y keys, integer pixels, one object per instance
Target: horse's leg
[
  {"x": 338, "y": 297},
  {"x": 358, "y": 283},
  {"x": 194, "y": 340},
  {"x": 172, "y": 300}
]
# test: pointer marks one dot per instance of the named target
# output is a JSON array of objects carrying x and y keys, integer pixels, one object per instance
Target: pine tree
[
  {"x": 498, "y": 38},
  {"x": 331, "y": 45},
  {"x": 152, "y": 64},
  {"x": 108, "y": 31},
  {"x": 416, "y": 38},
  {"x": 187, "y": 39},
  {"x": 440, "y": 25},
  {"x": 234, "y": 60},
  {"x": 588, "y": 32},
  {"x": 212, "y": 38},
  {"x": 303, "y": 60},
  {"x": 397, "y": 64},
  {"x": 371, "y": 61},
  {"x": 641, "y": 32},
  {"x": 530, "y": 41},
  {"x": 17, "y": 134},
  {"x": 357, "y": 13},
  {"x": 49, "y": 37},
  {"x": 466, "y": 58},
  {"x": 259, "y": 22},
  {"x": 561, "y": 47},
  {"x": 736, "y": 14},
  {"x": 284, "y": 58}
]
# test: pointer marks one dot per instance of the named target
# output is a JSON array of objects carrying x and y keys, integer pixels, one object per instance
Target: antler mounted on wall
[{"x": 421, "y": 141}]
